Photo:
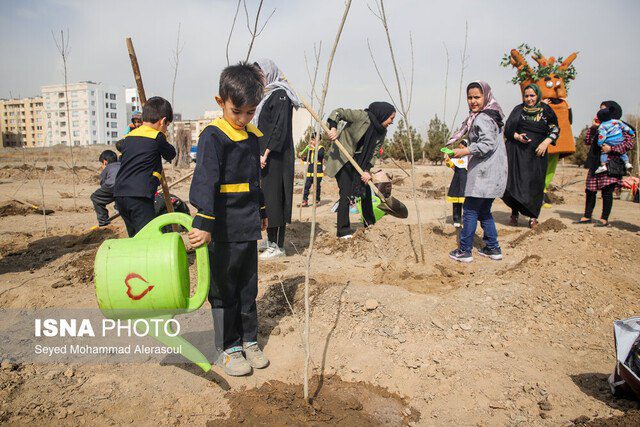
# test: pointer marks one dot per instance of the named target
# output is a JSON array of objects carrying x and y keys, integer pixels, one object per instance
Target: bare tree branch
[
  {"x": 384, "y": 84},
  {"x": 463, "y": 66},
  {"x": 446, "y": 83},
  {"x": 233, "y": 24},
  {"x": 63, "y": 50},
  {"x": 255, "y": 32}
]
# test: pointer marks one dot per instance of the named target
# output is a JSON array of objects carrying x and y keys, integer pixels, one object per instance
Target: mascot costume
[{"x": 552, "y": 77}]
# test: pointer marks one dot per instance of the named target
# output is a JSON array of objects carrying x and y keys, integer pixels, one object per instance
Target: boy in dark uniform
[
  {"x": 231, "y": 217},
  {"x": 104, "y": 195},
  {"x": 308, "y": 183},
  {"x": 141, "y": 163}
]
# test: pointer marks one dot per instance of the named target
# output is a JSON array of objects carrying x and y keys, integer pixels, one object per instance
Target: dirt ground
[{"x": 524, "y": 341}]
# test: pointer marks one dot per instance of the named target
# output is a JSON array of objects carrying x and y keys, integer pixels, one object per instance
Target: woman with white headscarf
[{"x": 273, "y": 118}]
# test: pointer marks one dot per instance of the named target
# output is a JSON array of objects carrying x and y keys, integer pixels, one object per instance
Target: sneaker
[
  {"x": 263, "y": 245},
  {"x": 459, "y": 255},
  {"x": 304, "y": 204},
  {"x": 457, "y": 225},
  {"x": 346, "y": 236},
  {"x": 628, "y": 165},
  {"x": 533, "y": 223},
  {"x": 494, "y": 254},
  {"x": 274, "y": 251},
  {"x": 255, "y": 356},
  {"x": 602, "y": 168},
  {"x": 232, "y": 363}
]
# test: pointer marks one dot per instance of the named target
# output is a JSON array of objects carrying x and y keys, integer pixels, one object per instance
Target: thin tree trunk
[
  {"x": 312, "y": 236},
  {"x": 405, "y": 109}
]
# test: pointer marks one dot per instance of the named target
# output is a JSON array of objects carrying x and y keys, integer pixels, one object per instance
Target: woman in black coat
[
  {"x": 531, "y": 127},
  {"x": 273, "y": 118}
]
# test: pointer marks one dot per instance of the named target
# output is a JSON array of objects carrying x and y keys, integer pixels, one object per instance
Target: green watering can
[{"x": 147, "y": 277}]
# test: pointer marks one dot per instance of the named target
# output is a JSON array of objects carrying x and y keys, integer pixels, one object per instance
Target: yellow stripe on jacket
[{"x": 242, "y": 187}]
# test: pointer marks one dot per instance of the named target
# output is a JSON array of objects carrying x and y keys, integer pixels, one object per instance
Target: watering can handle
[{"x": 154, "y": 229}]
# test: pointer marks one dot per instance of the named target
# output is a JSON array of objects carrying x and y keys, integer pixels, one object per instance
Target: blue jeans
[{"x": 477, "y": 209}]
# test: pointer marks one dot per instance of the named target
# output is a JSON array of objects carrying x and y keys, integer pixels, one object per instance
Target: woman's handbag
[{"x": 616, "y": 167}]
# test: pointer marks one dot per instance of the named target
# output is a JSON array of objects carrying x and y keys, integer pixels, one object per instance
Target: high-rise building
[
  {"x": 133, "y": 102},
  {"x": 96, "y": 114},
  {"x": 22, "y": 122}
]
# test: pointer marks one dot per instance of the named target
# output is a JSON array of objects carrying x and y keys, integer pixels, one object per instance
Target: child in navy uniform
[
  {"x": 104, "y": 195},
  {"x": 231, "y": 215},
  {"x": 308, "y": 183},
  {"x": 141, "y": 163}
]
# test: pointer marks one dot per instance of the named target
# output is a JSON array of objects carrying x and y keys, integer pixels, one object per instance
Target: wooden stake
[{"x": 143, "y": 100}]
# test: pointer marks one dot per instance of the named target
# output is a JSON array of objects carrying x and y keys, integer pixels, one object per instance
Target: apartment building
[
  {"x": 95, "y": 114},
  {"x": 22, "y": 122}
]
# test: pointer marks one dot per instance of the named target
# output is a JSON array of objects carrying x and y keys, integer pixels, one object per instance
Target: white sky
[{"x": 606, "y": 34}]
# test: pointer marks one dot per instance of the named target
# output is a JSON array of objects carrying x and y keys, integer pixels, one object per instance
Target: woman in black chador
[
  {"x": 273, "y": 118},
  {"x": 532, "y": 126}
]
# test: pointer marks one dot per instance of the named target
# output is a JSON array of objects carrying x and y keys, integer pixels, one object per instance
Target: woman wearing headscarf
[
  {"x": 273, "y": 118},
  {"x": 487, "y": 171},
  {"x": 602, "y": 182},
  {"x": 531, "y": 127},
  {"x": 362, "y": 133}
]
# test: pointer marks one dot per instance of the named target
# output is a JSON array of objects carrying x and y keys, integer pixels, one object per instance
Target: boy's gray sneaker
[
  {"x": 494, "y": 254},
  {"x": 255, "y": 356},
  {"x": 233, "y": 363}
]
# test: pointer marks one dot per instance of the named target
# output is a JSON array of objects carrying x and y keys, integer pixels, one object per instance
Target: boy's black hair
[
  {"x": 242, "y": 83},
  {"x": 155, "y": 109},
  {"x": 604, "y": 115},
  {"x": 108, "y": 155}
]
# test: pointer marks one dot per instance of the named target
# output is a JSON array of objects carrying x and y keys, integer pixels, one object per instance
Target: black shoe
[
  {"x": 583, "y": 221},
  {"x": 461, "y": 256},
  {"x": 495, "y": 254}
]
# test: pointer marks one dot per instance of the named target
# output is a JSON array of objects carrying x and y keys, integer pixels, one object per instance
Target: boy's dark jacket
[
  {"x": 319, "y": 168},
  {"x": 108, "y": 176},
  {"x": 226, "y": 183},
  {"x": 141, "y": 162}
]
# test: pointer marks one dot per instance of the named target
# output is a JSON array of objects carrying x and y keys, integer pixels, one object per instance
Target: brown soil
[
  {"x": 523, "y": 341},
  {"x": 550, "y": 225},
  {"x": 15, "y": 208},
  {"x": 334, "y": 402}
]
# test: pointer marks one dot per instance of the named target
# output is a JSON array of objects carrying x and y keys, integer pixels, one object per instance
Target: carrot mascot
[{"x": 552, "y": 77}]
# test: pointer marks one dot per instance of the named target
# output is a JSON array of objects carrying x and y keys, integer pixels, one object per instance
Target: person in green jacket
[{"x": 362, "y": 135}]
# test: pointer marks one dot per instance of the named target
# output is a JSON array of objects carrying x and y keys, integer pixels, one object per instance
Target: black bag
[{"x": 616, "y": 167}]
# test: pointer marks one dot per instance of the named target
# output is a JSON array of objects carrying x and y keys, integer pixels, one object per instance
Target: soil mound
[
  {"x": 13, "y": 208},
  {"x": 552, "y": 224},
  {"x": 333, "y": 402}
]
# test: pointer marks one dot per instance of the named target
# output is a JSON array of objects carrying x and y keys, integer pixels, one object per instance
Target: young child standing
[
  {"x": 141, "y": 163},
  {"x": 610, "y": 133},
  {"x": 109, "y": 165},
  {"x": 231, "y": 215},
  {"x": 455, "y": 194},
  {"x": 308, "y": 183}
]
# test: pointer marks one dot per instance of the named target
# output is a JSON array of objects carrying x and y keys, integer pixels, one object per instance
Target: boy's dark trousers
[
  {"x": 307, "y": 188},
  {"x": 101, "y": 198},
  {"x": 136, "y": 212},
  {"x": 233, "y": 292}
]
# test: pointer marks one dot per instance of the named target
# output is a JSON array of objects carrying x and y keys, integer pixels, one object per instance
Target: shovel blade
[{"x": 394, "y": 207}]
